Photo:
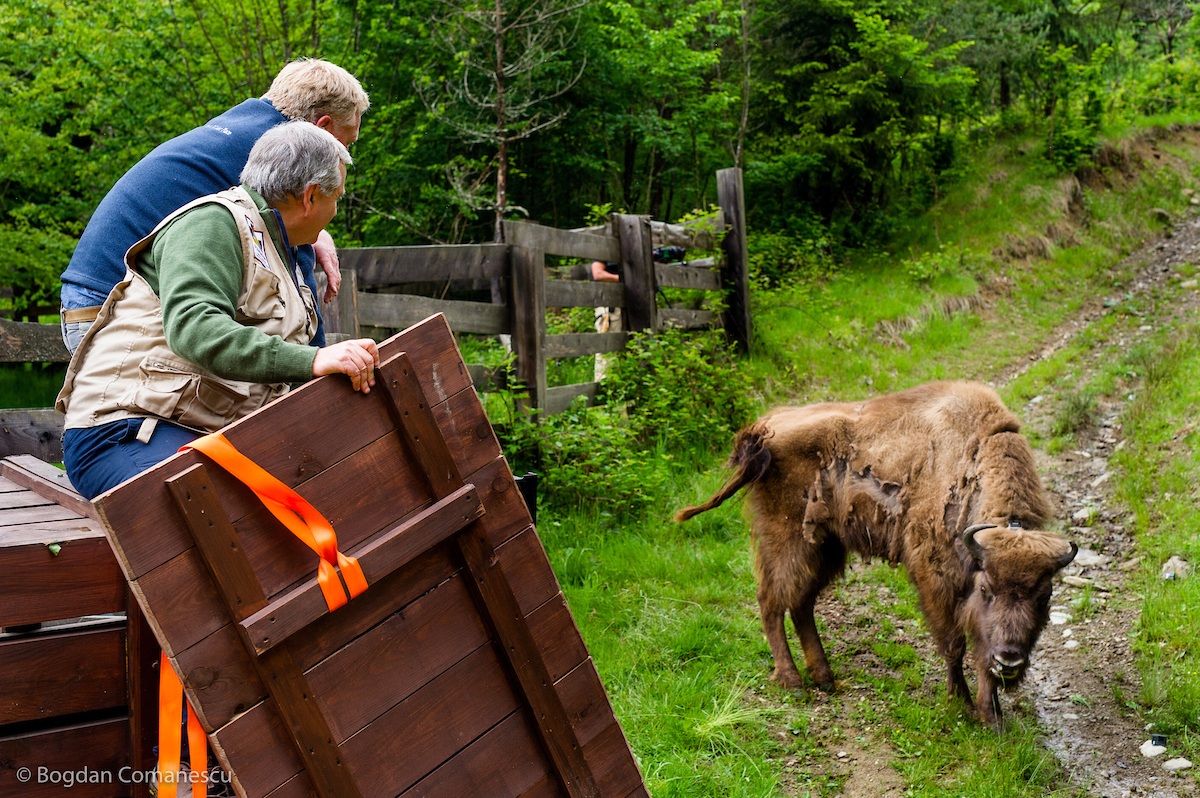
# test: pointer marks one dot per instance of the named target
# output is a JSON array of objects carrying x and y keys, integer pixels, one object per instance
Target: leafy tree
[
  {"x": 86, "y": 91},
  {"x": 512, "y": 60}
]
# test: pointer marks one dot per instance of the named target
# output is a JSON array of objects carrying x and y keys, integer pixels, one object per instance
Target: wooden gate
[{"x": 459, "y": 671}]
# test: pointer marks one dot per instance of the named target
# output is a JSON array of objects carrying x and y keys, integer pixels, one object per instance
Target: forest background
[{"x": 847, "y": 117}]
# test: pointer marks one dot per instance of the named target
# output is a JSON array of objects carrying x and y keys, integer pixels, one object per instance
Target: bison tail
[{"x": 750, "y": 460}]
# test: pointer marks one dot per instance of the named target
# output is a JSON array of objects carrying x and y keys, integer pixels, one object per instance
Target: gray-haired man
[{"x": 212, "y": 320}]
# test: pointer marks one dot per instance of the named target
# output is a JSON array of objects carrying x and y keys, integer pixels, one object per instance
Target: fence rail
[{"x": 389, "y": 288}]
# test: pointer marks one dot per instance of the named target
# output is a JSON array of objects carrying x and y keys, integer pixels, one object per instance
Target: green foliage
[
  {"x": 778, "y": 259},
  {"x": 683, "y": 390},
  {"x": 669, "y": 396},
  {"x": 1075, "y": 97}
]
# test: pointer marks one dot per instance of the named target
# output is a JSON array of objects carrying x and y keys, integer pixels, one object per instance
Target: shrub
[
  {"x": 683, "y": 389},
  {"x": 668, "y": 395}
]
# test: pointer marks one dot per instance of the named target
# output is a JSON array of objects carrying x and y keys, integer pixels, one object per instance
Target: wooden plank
[
  {"x": 100, "y": 747},
  {"x": 293, "y": 459},
  {"x": 8, "y": 486},
  {"x": 50, "y": 531},
  {"x": 487, "y": 766},
  {"x": 735, "y": 273},
  {"x": 32, "y": 431},
  {"x": 638, "y": 274},
  {"x": 560, "y": 397},
  {"x": 671, "y": 275},
  {"x": 695, "y": 234},
  {"x": 293, "y": 697},
  {"x": 283, "y": 617},
  {"x": 517, "y": 642},
  {"x": 398, "y": 385},
  {"x": 393, "y": 265},
  {"x": 581, "y": 294},
  {"x": 82, "y": 579},
  {"x": 687, "y": 319},
  {"x": 361, "y": 681},
  {"x": 21, "y": 499},
  {"x": 469, "y": 698},
  {"x": 26, "y": 516},
  {"x": 29, "y": 342},
  {"x": 142, "y": 658},
  {"x": 299, "y": 786},
  {"x": 43, "y": 478},
  {"x": 60, "y": 673},
  {"x": 484, "y": 767},
  {"x": 398, "y": 311},
  {"x": 528, "y": 303},
  {"x": 228, "y": 686},
  {"x": 584, "y": 344},
  {"x": 564, "y": 243}
]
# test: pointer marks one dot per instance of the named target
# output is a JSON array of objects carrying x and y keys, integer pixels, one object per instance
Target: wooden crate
[
  {"x": 459, "y": 672},
  {"x": 78, "y": 696}
]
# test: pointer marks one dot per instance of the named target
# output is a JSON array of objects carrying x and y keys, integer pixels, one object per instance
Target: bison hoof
[{"x": 787, "y": 679}]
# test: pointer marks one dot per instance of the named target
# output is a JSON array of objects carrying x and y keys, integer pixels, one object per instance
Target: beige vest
[{"x": 123, "y": 368}]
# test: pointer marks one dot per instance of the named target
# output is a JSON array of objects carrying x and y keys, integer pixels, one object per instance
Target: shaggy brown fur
[{"x": 902, "y": 477}]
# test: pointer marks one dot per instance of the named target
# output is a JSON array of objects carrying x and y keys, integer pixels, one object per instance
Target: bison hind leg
[{"x": 824, "y": 563}]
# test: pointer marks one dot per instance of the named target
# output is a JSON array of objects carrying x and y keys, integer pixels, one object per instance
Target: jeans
[
  {"x": 74, "y": 297},
  {"x": 99, "y": 458}
]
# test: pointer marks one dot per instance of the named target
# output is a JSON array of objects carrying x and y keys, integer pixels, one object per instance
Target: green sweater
[{"x": 195, "y": 267}]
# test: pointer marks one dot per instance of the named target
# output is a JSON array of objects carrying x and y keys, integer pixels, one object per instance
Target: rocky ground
[{"x": 1083, "y": 672}]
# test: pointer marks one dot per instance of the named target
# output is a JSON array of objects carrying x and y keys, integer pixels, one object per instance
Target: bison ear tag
[{"x": 1015, "y": 525}]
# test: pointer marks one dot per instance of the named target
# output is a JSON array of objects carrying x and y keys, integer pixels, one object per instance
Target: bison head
[{"x": 1010, "y": 600}]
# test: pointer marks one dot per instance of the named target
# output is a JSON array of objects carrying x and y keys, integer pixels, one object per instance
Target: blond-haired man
[{"x": 203, "y": 161}]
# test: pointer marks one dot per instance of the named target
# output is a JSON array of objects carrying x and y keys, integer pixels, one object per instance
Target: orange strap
[
  {"x": 170, "y": 718},
  {"x": 293, "y": 512}
]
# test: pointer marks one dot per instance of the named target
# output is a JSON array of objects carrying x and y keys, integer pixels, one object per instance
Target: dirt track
[{"x": 1083, "y": 669}]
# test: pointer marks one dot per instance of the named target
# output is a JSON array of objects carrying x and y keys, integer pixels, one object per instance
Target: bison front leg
[
  {"x": 987, "y": 701},
  {"x": 953, "y": 650}
]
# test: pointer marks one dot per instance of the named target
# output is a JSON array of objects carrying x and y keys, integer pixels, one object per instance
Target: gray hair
[{"x": 291, "y": 157}]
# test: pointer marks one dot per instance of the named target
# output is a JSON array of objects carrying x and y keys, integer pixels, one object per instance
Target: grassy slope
[{"x": 668, "y": 610}]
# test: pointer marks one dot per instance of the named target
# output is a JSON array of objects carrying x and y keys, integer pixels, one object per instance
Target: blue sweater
[{"x": 205, "y": 160}]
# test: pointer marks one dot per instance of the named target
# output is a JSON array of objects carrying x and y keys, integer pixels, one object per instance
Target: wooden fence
[{"x": 389, "y": 288}]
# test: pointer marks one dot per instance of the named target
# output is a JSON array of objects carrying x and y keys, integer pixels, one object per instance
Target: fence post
[
  {"x": 638, "y": 275},
  {"x": 527, "y": 299},
  {"x": 735, "y": 272}
]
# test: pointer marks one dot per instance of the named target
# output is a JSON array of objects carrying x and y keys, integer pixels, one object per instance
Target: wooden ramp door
[{"x": 459, "y": 672}]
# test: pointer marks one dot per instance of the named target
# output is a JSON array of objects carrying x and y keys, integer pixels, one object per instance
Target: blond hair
[{"x": 309, "y": 88}]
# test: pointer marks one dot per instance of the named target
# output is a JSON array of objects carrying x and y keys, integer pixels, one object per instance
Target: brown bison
[{"x": 938, "y": 478}]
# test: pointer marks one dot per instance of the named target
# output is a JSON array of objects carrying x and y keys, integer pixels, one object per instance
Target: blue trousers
[{"x": 99, "y": 458}]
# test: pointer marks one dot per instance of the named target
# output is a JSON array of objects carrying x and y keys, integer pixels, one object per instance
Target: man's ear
[
  {"x": 310, "y": 196},
  {"x": 323, "y": 122}
]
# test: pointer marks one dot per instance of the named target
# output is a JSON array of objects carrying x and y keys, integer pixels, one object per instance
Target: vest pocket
[
  {"x": 160, "y": 389},
  {"x": 263, "y": 295},
  {"x": 222, "y": 397},
  {"x": 175, "y": 391}
]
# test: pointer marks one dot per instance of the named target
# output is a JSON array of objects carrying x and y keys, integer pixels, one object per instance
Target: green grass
[
  {"x": 1159, "y": 471},
  {"x": 30, "y": 384}
]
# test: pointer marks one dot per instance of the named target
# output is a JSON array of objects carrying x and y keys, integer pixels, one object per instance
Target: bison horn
[
  {"x": 1065, "y": 560},
  {"x": 968, "y": 539}
]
